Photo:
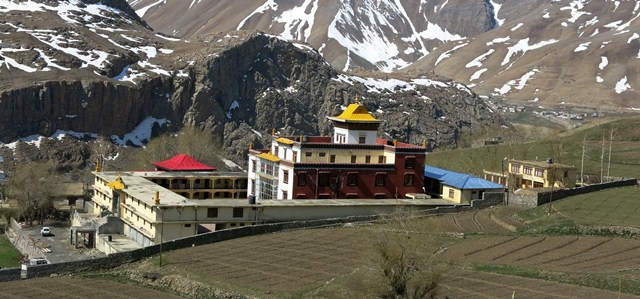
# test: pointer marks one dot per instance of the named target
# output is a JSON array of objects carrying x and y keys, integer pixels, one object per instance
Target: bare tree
[
  {"x": 33, "y": 187},
  {"x": 402, "y": 251}
]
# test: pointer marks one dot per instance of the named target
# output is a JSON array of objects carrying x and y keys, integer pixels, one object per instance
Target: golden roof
[
  {"x": 355, "y": 113},
  {"x": 285, "y": 140},
  {"x": 118, "y": 184},
  {"x": 269, "y": 156}
]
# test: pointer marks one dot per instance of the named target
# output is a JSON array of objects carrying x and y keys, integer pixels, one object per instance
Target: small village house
[{"x": 458, "y": 187}]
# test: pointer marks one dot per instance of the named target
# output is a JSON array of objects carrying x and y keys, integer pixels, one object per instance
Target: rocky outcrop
[{"x": 255, "y": 84}]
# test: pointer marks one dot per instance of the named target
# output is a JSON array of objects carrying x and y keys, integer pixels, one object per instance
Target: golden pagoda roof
[
  {"x": 355, "y": 113},
  {"x": 285, "y": 140},
  {"x": 269, "y": 156}
]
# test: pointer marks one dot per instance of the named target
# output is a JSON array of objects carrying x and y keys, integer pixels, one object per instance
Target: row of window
[
  {"x": 539, "y": 172},
  {"x": 352, "y": 179},
  {"x": 213, "y": 212}
]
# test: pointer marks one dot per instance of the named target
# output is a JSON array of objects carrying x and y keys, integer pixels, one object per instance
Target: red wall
[{"x": 366, "y": 188}]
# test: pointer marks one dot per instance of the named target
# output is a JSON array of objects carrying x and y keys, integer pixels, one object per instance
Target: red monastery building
[{"x": 353, "y": 163}]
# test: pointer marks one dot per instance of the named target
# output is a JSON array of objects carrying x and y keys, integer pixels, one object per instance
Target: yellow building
[
  {"x": 131, "y": 196},
  {"x": 522, "y": 174}
]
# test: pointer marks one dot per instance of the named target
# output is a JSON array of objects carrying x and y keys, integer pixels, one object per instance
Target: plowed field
[
  {"x": 284, "y": 261},
  {"x": 567, "y": 253},
  {"x": 70, "y": 287},
  {"x": 463, "y": 284}
]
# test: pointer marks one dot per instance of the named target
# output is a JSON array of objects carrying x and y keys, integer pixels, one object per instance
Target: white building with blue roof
[{"x": 458, "y": 187}]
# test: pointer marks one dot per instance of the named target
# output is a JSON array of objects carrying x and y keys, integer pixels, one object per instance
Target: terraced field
[
  {"x": 564, "y": 253},
  {"x": 324, "y": 262},
  {"x": 467, "y": 284},
  {"x": 73, "y": 287},
  {"x": 294, "y": 260}
]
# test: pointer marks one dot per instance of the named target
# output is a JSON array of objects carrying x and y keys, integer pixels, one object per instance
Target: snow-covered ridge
[
  {"x": 57, "y": 47},
  {"x": 391, "y": 85}
]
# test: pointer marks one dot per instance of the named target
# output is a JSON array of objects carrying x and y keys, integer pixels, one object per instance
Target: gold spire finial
[
  {"x": 300, "y": 138},
  {"x": 157, "y": 201},
  {"x": 357, "y": 100},
  {"x": 98, "y": 165},
  {"x": 273, "y": 131},
  {"x": 250, "y": 146}
]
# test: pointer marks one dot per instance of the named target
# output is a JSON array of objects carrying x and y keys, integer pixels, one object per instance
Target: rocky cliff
[{"x": 236, "y": 85}]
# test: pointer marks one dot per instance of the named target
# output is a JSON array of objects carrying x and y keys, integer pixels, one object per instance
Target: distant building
[
  {"x": 461, "y": 188},
  {"x": 535, "y": 174},
  {"x": 351, "y": 164}
]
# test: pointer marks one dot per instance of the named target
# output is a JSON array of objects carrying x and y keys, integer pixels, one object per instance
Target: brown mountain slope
[{"x": 574, "y": 53}]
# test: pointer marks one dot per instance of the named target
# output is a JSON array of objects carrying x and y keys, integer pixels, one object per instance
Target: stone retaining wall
[
  {"x": 9, "y": 274},
  {"x": 117, "y": 259},
  {"x": 533, "y": 200}
]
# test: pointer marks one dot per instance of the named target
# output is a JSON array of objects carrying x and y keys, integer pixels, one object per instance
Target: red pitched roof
[{"x": 182, "y": 162}]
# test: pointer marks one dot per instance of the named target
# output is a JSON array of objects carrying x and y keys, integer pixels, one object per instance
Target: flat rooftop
[{"x": 145, "y": 190}]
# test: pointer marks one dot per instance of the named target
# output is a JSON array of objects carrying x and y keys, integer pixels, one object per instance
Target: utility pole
[
  {"x": 609, "y": 163},
  {"x": 602, "y": 159},
  {"x": 584, "y": 141}
]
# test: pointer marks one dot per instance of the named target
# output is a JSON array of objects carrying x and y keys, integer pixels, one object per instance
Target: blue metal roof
[{"x": 459, "y": 180}]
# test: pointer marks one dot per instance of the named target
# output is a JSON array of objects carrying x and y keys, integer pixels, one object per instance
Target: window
[
  {"x": 367, "y": 159},
  {"x": 187, "y": 225},
  {"x": 539, "y": 172},
  {"x": 352, "y": 179},
  {"x": 323, "y": 179},
  {"x": 295, "y": 156},
  {"x": 409, "y": 163},
  {"x": 253, "y": 186},
  {"x": 381, "y": 179},
  {"x": 212, "y": 212},
  {"x": 276, "y": 150},
  {"x": 528, "y": 170},
  {"x": 362, "y": 139},
  {"x": 302, "y": 179},
  {"x": 332, "y": 158},
  {"x": 238, "y": 212},
  {"x": 308, "y": 154},
  {"x": 322, "y": 154},
  {"x": 285, "y": 194},
  {"x": 452, "y": 193},
  {"x": 354, "y": 158},
  {"x": 285, "y": 174},
  {"x": 515, "y": 168},
  {"x": 408, "y": 180},
  {"x": 566, "y": 173},
  {"x": 268, "y": 188},
  {"x": 382, "y": 159}
]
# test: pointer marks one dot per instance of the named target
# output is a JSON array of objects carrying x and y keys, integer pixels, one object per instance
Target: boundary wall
[
  {"x": 117, "y": 259},
  {"x": 534, "y": 200}
]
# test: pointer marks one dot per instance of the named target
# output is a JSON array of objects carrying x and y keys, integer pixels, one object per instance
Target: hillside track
[
  {"x": 478, "y": 221},
  {"x": 73, "y": 287},
  {"x": 466, "y": 284},
  {"x": 562, "y": 253}
]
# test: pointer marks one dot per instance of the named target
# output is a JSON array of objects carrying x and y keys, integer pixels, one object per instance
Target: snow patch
[
  {"x": 141, "y": 133},
  {"x": 622, "y": 85}
]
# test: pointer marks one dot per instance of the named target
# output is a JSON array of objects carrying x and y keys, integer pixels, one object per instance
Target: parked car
[
  {"x": 45, "y": 231},
  {"x": 38, "y": 261}
]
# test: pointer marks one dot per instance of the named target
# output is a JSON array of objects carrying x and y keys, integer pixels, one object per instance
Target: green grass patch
[
  {"x": 613, "y": 207},
  {"x": 564, "y": 148},
  {"x": 10, "y": 257},
  {"x": 610, "y": 207}
]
